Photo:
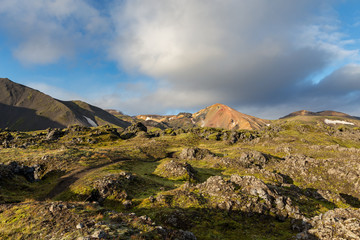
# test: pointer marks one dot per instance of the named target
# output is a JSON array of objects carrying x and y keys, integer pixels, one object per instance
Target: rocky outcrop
[
  {"x": 31, "y": 174},
  {"x": 5, "y": 139},
  {"x": 240, "y": 193},
  {"x": 195, "y": 153},
  {"x": 137, "y": 127},
  {"x": 232, "y": 137},
  {"x": 176, "y": 170},
  {"x": 248, "y": 194},
  {"x": 54, "y": 134},
  {"x": 134, "y": 130},
  {"x": 113, "y": 186},
  {"x": 248, "y": 159},
  {"x": 337, "y": 224},
  {"x": 343, "y": 175}
]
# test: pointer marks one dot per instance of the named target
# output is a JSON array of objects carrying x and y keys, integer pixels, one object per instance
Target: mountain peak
[
  {"x": 222, "y": 116},
  {"x": 219, "y": 106}
]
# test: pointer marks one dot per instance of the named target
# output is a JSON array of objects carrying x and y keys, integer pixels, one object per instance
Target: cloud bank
[
  {"x": 261, "y": 57},
  {"x": 249, "y": 54},
  {"x": 45, "y": 31}
]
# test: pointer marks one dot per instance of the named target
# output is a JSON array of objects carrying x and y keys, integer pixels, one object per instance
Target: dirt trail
[{"x": 70, "y": 178}]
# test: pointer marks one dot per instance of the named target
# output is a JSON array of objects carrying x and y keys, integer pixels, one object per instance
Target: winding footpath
[{"x": 70, "y": 178}]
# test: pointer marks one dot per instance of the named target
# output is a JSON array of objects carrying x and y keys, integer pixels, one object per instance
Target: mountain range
[
  {"x": 217, "y": 116},
  {"x": 26, "y": 109}
]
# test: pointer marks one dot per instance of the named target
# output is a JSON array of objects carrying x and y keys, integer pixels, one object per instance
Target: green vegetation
[{"x": 301, "y": 160}]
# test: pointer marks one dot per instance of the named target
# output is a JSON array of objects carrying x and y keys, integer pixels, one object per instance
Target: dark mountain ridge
[{"x": 24, "y": 108}]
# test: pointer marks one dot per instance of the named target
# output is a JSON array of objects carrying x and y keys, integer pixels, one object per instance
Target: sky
[{"x": 263, "y": 58}]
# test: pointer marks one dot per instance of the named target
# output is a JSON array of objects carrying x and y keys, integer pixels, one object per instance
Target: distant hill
[
  {"x": 328, "y": 117},
  {"x": 24, "y": 108},
  {"x": 217, "y": 115},
  {"x": 321, "y": 113}
]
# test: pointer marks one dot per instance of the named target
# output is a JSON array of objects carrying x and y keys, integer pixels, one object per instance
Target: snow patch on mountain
[
  {"x": 328, "y": 121},
  {"x": 91, "y": 122}
]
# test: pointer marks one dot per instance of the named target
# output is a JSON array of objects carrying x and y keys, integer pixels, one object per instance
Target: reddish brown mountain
[
  {"x": 222, "y": 116},
  {"x": 217, "y": 115}
]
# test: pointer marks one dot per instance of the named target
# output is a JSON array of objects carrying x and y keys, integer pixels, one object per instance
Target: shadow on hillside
[
  {"x": 287, "y": 179},
  {"x": 24, "y": 119},
  {"x": 81, "y": 112},
  {"x": 352, "y": 201}
]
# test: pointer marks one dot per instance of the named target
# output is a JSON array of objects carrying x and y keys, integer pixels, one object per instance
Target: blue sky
[{"x": 264, "y": 58}]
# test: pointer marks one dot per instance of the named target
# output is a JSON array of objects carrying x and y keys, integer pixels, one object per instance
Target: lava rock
[
  {"x": 195, "y": 153},
  {"x": 54, "y": 134},
  {"x": 175, "y": 170},
  {"x": 137, "y": 127},
  {"x": 334, "y": 224},
  {"x": 99, "y": 234}
]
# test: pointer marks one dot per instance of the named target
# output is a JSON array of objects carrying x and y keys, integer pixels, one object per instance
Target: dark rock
[
  {"x": 54, "y": 134},
  {"x": 112, "y": 185},
  {"x": 99, "y": 234},
  {"x": 232, "y": 137},
  {"x": 57, "y": 207},
  {"x": 77, "y": 128},
  {"x": 5, "y": 172},
  {"x": 137, "y": 127},
  {"x": 6, "y": 144},
  {"x": 152, "y": 199},
  {"x": 195, "y": 153},
  {"x": 127, "y": 135},
  {"x": 253, "y": 158},
  {"x": 127, "y": 204},
  {"x": 9, "y": 137},
  {"x": 185, "y": 235},
  {"x": 30, "y": 173}
]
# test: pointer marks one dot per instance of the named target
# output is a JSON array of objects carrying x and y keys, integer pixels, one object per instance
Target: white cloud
[
  {"x": 45, "y": 31},
  {"x": 249, "y": 54}
]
